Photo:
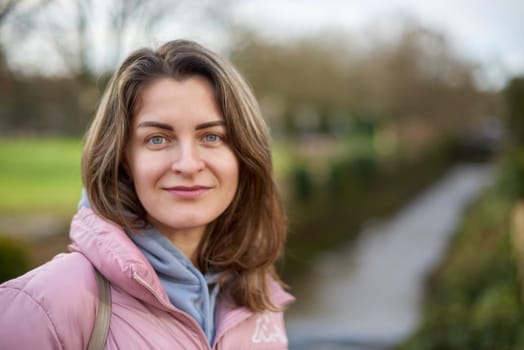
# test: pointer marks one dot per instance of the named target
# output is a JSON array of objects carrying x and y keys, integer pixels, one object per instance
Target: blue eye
[
  {"x": 156, "y": 140},
  {"x": 211, "y": 138}
]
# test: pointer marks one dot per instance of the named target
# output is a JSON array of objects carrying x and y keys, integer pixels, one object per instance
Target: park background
[{"x": 369, "y": 106}]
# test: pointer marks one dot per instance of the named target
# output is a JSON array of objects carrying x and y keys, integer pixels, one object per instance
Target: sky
[{"x": 487, "y": 32}]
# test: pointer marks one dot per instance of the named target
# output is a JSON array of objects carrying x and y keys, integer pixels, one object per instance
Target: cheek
[
  {"x": 146, "y": 174},
  {"x": 231, "y": 178},
  {"x": 143, "y": 172},
  {"x": 232, "y": 173}
]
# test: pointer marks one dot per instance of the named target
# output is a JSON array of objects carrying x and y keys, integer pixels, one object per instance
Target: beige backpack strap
[{"x": 103, "y": 314}]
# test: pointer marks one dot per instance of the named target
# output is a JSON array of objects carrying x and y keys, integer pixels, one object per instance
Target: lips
[{"x": 188, "y": 192}]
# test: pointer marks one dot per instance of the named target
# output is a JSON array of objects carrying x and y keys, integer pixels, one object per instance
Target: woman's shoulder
[
  {"x": 278, "y": 295},
  {"x": 56, "y": 300},
  {"x": 66, "y": 273}
]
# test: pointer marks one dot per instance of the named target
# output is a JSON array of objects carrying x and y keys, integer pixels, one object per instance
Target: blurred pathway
[{"x": 370, "y": 294}]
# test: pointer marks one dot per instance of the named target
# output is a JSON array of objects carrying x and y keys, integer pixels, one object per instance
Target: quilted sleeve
[{"x": 24, "y": 323}]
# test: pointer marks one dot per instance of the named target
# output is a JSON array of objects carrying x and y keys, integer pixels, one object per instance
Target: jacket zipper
[
  {"x": 236, "y": 318},
  {"x": 192, "y": 322}
]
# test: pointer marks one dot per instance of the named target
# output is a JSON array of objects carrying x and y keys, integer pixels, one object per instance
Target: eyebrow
[
  {"x": 151, "y": 124},
  {"x": 211, "y": 124}
]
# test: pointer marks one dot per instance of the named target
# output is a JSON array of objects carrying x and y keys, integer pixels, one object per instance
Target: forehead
[
  {"x": 166, "y": 89},
  {"x": 166, "y": 98}
]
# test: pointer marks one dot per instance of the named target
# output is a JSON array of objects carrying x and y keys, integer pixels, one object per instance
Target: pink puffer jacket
[{"x": 54, "y": 305}]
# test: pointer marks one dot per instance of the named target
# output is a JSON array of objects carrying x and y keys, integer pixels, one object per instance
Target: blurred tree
[
  {"x": 311, "y": 70},
  {"x": 310, "y": 76},
  {"x": 88, "y": 37},
  {"x": 316, "y": 82},
  {"x": 412, "y": 77},
  {"x": 71, "y": 29},
  {"x": 75, "y": 37},
  {"x": 6, "y": 6},
  {"x": 423, "y": 80},
  {"x": 513, "y": 170},
  {"x": 7, "y": 9}
]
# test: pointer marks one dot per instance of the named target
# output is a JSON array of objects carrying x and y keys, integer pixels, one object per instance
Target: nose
[{"x": 188, "y": 161}]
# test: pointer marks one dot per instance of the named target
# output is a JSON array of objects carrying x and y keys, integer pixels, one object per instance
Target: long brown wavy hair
[{"x": 243, "y": 242}]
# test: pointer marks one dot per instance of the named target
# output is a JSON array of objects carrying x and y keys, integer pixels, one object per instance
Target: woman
[{"x": 180, "y": 214}]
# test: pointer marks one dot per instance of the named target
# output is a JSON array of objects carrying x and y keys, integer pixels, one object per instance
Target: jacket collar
[{"x": 114, "y": 254}]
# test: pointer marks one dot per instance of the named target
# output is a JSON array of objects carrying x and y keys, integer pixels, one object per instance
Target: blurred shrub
[
  {"x": 473, "y": 297},
  {"x": 513, "y": 168},
  {"x": 14, "y": 258},
  {"x": 512, "y": 176},
  {"x": 515, "y": 105},
  {"x": 497, "y": 309},
  {"x": 301, "y": 183},
  {"x": 361, "y": 169}
]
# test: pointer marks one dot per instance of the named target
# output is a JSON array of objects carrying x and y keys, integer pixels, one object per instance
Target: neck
[{"x": 186, "y": 240}]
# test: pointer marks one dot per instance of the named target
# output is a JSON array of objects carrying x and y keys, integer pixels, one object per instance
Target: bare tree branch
[
  {"x": 6, "y": 7},
  {"x": 90, "y": 36}
]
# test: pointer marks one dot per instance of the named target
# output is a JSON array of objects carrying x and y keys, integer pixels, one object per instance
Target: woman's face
[{"x": 183, "y": 168}]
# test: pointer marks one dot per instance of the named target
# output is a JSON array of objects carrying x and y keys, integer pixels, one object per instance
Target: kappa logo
[{"x": 268, "y": 331}]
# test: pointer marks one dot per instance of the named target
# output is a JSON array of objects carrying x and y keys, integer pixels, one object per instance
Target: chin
[{"x": 188, "y": 222}]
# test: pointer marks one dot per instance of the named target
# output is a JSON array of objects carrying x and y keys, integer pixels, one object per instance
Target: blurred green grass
[{"x": 39, "y": 175}]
